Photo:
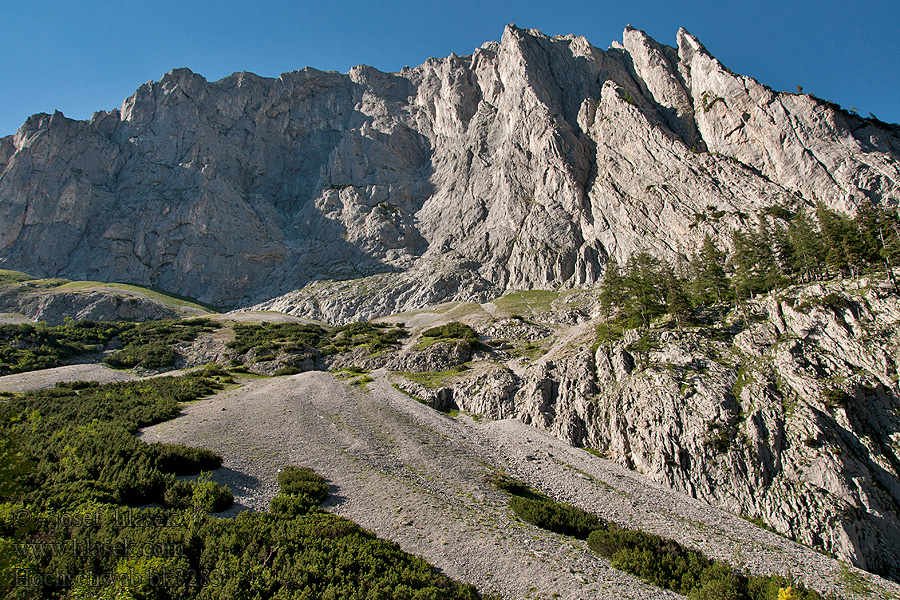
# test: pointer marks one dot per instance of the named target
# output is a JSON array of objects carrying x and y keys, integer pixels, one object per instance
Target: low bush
[
  {"x": 654, "y": 559},
  {"x": 377, "y": 337},
  {"x": 149, "y": 344},
  {"x": 835, "y": 398},
  {"x": 555, "y": 516},
  {"x": 75, "y": 461},
  {"x": 185, "y": 460},
  {"x": 288, "y": 370},
  {"x": 32, "y": 346},
  {"x": 300, "y": 480},
  {"x": 512, "y": 486},
  {"x": 292, "y": 505},
  {"x": 452, "y": 331},
  {"x": 179, "y": 495},
  {"x": 666, "y": 563},
  {"x": 211, "y": 496},
  {"x": 275, "y": 336},
  {"x": 153, "y": 356}
]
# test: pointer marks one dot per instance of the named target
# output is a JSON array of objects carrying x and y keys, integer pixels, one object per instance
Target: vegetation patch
[
  {"x": 33, "y": 346},
  {"x": 554, "y": 516},
  {"x": 149, "y": 344},
  {"x": 301, "y": 480},
  {"x": 350, "y": 372},
  {"x": 526, "y": 302},
  {"x": 657, "y": 560},
  {"x": 835, "y": 398},
  {"x": 72, "y": 473},
  {"x": 434, "y": 379},
  {"x": 7, "y": 276},
  {"x": 377, "y": 337},
  {"x": 362, "y": 382},
  {"x": 275, "y": 336},
  {"x": 270, "y": 339},
  {"x": 29, "y": 347},
  {"x": 451, "y": 331}
]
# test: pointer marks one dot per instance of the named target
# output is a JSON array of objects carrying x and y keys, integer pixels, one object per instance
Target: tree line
[{"x": 782, "y": 249}]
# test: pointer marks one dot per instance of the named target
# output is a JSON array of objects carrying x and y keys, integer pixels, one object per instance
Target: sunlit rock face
[{"x": 525, "y": 165}]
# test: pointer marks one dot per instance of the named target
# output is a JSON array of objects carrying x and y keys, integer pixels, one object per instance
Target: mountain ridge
[{"x": 525, "y": 165}]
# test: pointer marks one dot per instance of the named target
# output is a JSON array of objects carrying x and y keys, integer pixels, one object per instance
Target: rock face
[
  {"x": 789, "y": 413},
  {"x": 54, "y": 309},
  {"x": 525, "y": 165}
]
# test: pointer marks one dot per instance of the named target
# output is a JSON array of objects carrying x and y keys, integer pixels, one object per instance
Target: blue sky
[{"x": 78, "y": 57}]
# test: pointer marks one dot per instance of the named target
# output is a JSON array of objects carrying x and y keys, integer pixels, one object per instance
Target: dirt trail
[
  {"x": 417, "y": 477},
  {"x": 36, "y": 380}
]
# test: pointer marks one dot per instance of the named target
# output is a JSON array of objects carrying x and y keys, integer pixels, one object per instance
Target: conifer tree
[
  {"x": 643, "y": 282},
  {"x": 710, "y": 282},
  {"x": 677, "y": 302},
  {"x": 807, "y": 256},
  {"x": 768, "y": 273},
  {"x": 612, "y": 298},
  {"x": 612, "y": 289}
]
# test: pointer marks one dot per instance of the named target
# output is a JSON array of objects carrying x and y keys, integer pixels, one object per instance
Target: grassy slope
[{"x": 27, "y": 283}]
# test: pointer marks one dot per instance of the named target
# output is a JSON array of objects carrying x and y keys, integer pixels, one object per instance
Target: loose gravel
[
  {"x": 418, "y": 477},
  {"x": 36, "y": 380}
]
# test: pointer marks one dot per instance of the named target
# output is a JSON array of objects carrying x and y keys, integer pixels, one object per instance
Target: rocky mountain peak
[{"x": 527, "y": 164}]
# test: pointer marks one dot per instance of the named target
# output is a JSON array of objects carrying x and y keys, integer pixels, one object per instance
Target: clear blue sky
[{"x": 78, "y": 57}]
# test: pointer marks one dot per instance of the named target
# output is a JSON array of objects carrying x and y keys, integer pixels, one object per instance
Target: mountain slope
[{"x": 524, "y": 165}]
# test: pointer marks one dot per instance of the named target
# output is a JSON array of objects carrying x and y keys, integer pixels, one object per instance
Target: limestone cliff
[
  {"x": 524, "y": 165},
  {"x": 787, "y": 410}
]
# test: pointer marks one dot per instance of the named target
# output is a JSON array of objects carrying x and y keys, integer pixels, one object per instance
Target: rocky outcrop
[
  {"x": 525, "y": 165},
  {"x": 787, "y": 412},
  {"x": 439, "y": 356},
  {"x": 55, "y": 308}
]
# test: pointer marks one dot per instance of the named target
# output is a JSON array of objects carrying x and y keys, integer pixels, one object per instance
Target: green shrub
[
  {"x": 275, "y": 335},
  {"x": 377, "y": 337},
  {"x": 211, "y": 496},
  {"x": 300, "y": 480},
  {"x": 835, "y": 398},
  {"x": 288, "y": 370},
  {"x": 153, "y": 356},
  {"x": 504, "y": 482},
  {"x": 185, "y": 460},
  {"x": 148, "y": 344},
  {"x": 292, "y": 505},
  {"x": 84, "y": 462},
  {"x": 452, "y": 331},
  {"x": 555, "y": 516},
  {"x": 179, "y": 495},
  {"x": 666, "y": 563},
  {"x": 215, "y": 370}
]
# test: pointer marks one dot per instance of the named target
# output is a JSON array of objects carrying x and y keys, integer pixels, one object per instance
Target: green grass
[
  {"x": 7, "y": 276},
  {"x": 526, "y": 302},
  {"x": 362, "y": 382},
  {"x": 350, "y": 372},
  {"x": 434, "y": 379},
  {"x": 167, "y": 299}
]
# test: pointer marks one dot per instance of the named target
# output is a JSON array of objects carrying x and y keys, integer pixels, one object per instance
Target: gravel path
[
  {"x": 417, "y": 477},
  {"x": 36, "y": 380}
]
